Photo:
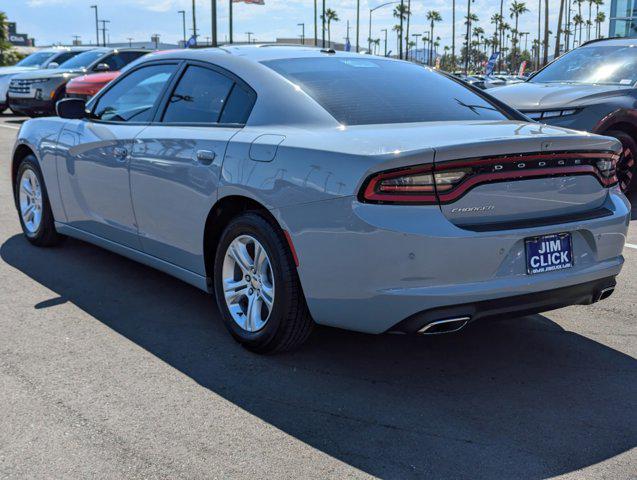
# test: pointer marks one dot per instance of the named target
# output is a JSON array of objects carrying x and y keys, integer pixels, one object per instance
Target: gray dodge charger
[{"x": 303, "y": 186}]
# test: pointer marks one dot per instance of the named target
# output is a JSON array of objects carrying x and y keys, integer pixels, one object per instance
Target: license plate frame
[{"x": 549, "y": 253}]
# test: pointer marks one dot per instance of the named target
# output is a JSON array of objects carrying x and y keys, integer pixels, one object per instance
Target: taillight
[
  {"x": 446, "y": 182},
  {"x": 412, "y": 185},
  {"x": 607, "y": 168}
]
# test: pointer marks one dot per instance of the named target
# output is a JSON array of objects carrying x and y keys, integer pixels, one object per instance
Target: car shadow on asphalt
[{"x": 520, "y": 398}]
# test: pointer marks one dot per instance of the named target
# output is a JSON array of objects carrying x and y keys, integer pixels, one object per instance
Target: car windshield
[
  {"x": 364, "y": 91},
  {"x": 35, "y": 59},
  {"x": 609, "y": 65},
  {"x": 82, "y": 60}
]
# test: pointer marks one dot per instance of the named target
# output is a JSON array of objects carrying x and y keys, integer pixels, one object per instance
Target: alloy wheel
[
  {"x": 248, "y": 283},
  {"x": 30, "y": 195}
]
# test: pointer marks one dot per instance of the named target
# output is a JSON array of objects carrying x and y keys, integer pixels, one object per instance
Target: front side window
[
  {"x": 363, "y": 91},
  {"x": 63, "y": 57},
  {"x": 609, "y": 65},
  {"x": 199, "y": 97},
  {"x": 82, "y": 60},
  {"x": 119, "y": 60},
  {"x": 133, "y": 97}
]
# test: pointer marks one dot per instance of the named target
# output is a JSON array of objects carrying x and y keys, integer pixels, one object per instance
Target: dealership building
[
  {"x": 623, "y": 18},
  {"x": 18, "y": 39}
]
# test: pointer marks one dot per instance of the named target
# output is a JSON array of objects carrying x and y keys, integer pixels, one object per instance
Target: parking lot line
[
  {"x": 631, "y": 245},
  {"x": 9, "y": 126}
]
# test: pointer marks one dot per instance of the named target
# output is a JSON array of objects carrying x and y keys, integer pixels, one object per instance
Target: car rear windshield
[
  {"x": 609, "y": 65},
  {"x": 365, "y": 91}
]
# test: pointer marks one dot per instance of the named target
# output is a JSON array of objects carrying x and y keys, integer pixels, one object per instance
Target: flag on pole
[
  {"x": 348, "y": 46},
  {"x": 522, "y": 68},
  {"x": 192, "y": 42},
  {"x": 491, "y": 63}
]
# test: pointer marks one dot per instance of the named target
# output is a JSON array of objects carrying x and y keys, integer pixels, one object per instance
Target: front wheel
[
  {"x": 257, "y": 287},
  {"x": 34, "y": 209},
  {"x": 626, "y": 166}
]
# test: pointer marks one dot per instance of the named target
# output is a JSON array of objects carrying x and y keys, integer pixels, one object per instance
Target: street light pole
[
  {"x": 385, "y": 30},
  {"x": 358, "y": 24},
  {"x": 302, "y": 25},
  {"x": 130, "y": 42},
  {"x": 183, "y": 19},
  {"x": 249, "y": 34},
  {"x": 97, "y": 26},
  {"x": 416, "y": 35},
  {"x": 104, "y": 22},
  {"x": 194, "y": 21},
  {"x": 323, "y": 26},
  {"x": 230, "y": 15},
  {"x": 213, "y": 10},
  {"x": 371, "y": 10}
]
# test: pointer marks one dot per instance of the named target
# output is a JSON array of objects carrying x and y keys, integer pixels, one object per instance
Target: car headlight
[{"x": 540, "y": 115}]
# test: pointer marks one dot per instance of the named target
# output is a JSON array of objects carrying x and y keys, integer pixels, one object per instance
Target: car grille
[{"x": 20, "y": 86}]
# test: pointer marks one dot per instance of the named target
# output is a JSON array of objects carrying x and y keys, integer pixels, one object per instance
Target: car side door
[
  {"x": 95, "y": 154},
  {"x": 176, "y": 161}
]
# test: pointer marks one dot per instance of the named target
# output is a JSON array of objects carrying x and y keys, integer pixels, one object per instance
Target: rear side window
[
  {"x": 364, "y": 91},
  {"x": 133, "y": 97},
  {"x": 119, "y": 60},
  {"x": 63, "y": 57},
  {"x": 203, "y": 95}
]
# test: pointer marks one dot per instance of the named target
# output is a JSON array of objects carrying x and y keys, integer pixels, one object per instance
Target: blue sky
[{"x": 52, "y": 21}]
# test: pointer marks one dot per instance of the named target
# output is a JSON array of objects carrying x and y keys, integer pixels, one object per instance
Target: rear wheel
[
  {"x": 626, "y": 166},
  {"x": 257, "y": 287},
  {"x": 34, "y": 209}
]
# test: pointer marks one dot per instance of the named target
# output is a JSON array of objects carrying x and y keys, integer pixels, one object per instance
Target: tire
[
  {"x": 41, "y": 233},
  {"x": 627, "y": 165},
  {"x": 288, "y": 323}
]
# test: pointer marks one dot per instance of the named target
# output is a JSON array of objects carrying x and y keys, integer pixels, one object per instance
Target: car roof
[
  {"x": 614, "y": 42},
  {"x": 64, "y": 49},
  {"x": 255, "y": 52}
]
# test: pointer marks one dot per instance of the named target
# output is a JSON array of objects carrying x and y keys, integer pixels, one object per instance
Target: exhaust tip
[
  {"x": 605, "y": 293},
  {"x": 448, "y": 325}
]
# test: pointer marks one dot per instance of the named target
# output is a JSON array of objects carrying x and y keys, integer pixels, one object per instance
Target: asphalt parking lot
[{"x": 110, "y": 369}]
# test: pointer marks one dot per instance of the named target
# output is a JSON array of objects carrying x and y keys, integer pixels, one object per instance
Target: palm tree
[
  {"x": 400, "y": 12},
  {"x": 578, "y": 21},
  {"x": 397, "y": 29},
  {"x": 469, "y": 20},
  {"x": 453, "y": 34},
  {"x": 559, "y": 28},
  {"x": 589, "y": 22},
  {"x": 330, "y": 16},
  {"x": 517, "y": 9},
  {"x": 599, "y": 19},
  {"x": 407, "y": 29},
  {"x": 433, "y": 16},
  {"x": 579, "y": 14},
  {"x": 546, "y": 31}
]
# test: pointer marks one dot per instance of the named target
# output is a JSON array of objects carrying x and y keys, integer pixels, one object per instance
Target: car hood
[
  {"x": 97, "y": 78},
  {"x": 542, "y": 96},
  {"x": 13, "y": 70},
  {"x": 50, "y": 73}
]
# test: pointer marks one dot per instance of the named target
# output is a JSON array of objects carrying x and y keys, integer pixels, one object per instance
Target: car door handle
[
  {"x": 120, "y": 153},
  {"x": 205, "y": 157}
]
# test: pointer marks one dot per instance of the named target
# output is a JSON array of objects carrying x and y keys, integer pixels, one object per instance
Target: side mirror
[
  {"x": 102, "y": 67},
  {"x": 71, "y": 108},
  {"x": 53, "y": 65}
]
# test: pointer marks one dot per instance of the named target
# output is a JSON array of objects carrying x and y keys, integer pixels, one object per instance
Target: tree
[
  {"x": 397, "y": 29},
  {"x": 469, "y": 18},
  {"x": 578, "y": 21},
  {"x": 330, "y": 16},
  {"x": 453, "y": 34},
  {"x": 546, "y": 32},
  {"x": 5, "y": 46},
  {"x": 599, "y": 19},
  {"x": 400, "y": 12},
  {"x": 581, "y": 22},
  {"x": 589, "y": 22},
  {"x": 559, "y": 29},
  {"x": 433, "y": 16},
  {"x": 517, "y": 9}
]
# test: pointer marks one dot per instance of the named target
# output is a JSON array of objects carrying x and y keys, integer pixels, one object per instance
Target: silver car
[{"x": 305, "y": 186}]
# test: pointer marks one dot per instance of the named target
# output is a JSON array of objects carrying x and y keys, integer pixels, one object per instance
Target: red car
[{"x": 88, "y": 85}]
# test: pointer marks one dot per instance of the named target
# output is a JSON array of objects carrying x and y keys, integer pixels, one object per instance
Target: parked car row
[{"x": 33, "y": 86}]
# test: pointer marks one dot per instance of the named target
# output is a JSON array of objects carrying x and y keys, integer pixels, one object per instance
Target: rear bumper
[
  {"x": 31, "y": 106},
  {"x": 517, "y": 305},
  {"x": 369, "y": 267}
]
